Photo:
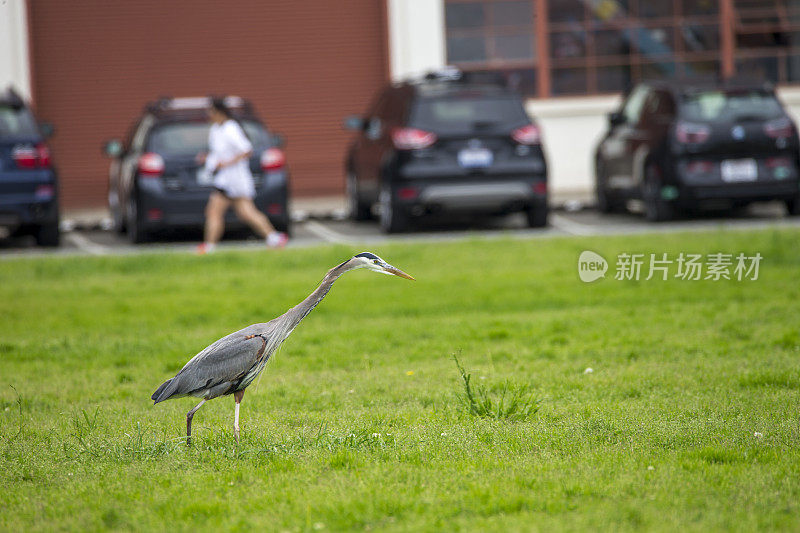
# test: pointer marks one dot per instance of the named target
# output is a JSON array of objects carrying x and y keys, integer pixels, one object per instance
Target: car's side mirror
[
  {"x": 355, "y": 123},
  {"x": 113, "y": 148},
  {"x": 373, "y": 129},
  {"x": 279, "y": 140},
  {"x": 47, "y": 129},
  {"x": 615, "y": 118}
]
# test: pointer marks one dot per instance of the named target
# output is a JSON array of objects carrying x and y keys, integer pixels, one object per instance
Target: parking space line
[
  {"x": 85, "y": 244},
  {"x": 326, "y": 233},
  {"x": 570, "y": 226}
]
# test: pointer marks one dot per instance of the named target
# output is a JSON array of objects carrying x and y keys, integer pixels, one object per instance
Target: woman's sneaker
[
  {"x": 277, "y": 239},
  {"x": 205, "y": 248}
]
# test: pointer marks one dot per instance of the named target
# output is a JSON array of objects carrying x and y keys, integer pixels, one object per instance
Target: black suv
[
  {"x": 155, "y": 179},
  {"x": 28, "y": 182},
  {"x": 678, "y": 146},
  {"x": 446, "y": 143}
]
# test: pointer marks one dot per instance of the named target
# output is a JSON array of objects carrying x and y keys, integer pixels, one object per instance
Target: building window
[
  {"x": 493, "y": 35},
  {"x": 605, "y": 46},
  {"x": 767, "y": 39},
  {"x": 576, "y": 47}
]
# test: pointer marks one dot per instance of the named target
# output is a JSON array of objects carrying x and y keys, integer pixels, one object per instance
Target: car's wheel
[
  {"x": 606, "y": 203},
  {"x": 793, "y": 206},
  {"x": 537, "y": 215},
  {"x": 118, "y": 220},
  {"x": 48, "y": 235},
  {"x": 282, "y": 224},
  {"x": 133, "y": 222},
  {"x": 117, "y": 217},
  {"x": 356, "y": 209},
  {"x": 656, "y": 209},
  {"x": 392, "y": 220}
]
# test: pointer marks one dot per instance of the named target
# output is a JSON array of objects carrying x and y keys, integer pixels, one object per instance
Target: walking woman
[{"x": 228, "y": 160}]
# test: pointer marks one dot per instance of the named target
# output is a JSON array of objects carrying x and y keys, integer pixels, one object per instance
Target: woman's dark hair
[{"x": 218, "y": 104}]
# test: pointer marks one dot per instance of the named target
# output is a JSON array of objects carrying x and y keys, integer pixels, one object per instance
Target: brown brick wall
[{"x": 304, "y": 64}]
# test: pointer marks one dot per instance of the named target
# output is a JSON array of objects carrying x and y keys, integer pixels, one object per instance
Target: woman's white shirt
[{"x": 227, "y": 141}]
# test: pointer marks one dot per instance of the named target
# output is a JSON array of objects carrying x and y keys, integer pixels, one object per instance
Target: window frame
[{"x": 724, "y": 23}]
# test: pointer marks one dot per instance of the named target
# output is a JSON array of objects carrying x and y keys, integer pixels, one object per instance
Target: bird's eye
[{"x": 375, "y": 261}]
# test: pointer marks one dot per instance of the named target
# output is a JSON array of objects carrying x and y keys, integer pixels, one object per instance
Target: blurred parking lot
[{"x": 322, "y": 225}]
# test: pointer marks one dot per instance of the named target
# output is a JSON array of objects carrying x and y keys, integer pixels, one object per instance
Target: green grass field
[{"x": 359, "y": 422}]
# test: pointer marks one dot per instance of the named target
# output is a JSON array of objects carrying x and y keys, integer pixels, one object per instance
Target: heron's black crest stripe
[{"x": 367, "y": 255}]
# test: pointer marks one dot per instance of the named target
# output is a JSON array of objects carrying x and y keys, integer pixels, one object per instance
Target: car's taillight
[
  {"x": 151, "y": 165},
  {"x": 700, "y": 167},
  {"x": 540, "y": 187},
  {"x": 407, "y": 193},
  {"x": 779, "y": 128},
  {"x": 43, "y": 155},
  {"x": 27, "y": 156},
  {"x": 272, "y": 159},
  {"x": 529, "y": 134},
  {"x": 688, "y": 133},
  {"x": 412, "y": 138}
]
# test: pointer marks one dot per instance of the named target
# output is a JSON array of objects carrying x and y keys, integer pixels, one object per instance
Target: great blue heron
[{"x": 230, "y": 364}]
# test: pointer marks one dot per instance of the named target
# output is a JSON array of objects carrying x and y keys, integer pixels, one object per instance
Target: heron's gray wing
[{"x": 226, "y": 360}]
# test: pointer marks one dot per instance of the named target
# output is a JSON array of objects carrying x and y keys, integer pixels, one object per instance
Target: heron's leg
[
  {"x": 189, "y": 416},
  {"x": 237, "y": 397}
]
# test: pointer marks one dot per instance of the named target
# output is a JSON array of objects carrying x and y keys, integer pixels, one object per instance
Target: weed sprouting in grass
[
  {"x": 512, "y": 401},
  {"x": 13, "y": 437}
]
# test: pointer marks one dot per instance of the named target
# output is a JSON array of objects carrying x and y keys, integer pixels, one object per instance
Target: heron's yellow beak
[{"x": 397, "y": 272}]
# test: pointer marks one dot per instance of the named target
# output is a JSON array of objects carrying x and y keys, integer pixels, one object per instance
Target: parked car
[
  {"x": 446, "y": 143},
  {"x": 678, "y": 146},
  {"x": 28, "y": 181},
  {"x": 155, "y": 179}
]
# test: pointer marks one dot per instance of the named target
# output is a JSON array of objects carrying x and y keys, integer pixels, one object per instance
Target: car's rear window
[
  {"x": 189, "y": 138},
  {"x": 17, "y": 122},
  {"x": 731, "y": 106},
  {"x": 468, "y": 114}
]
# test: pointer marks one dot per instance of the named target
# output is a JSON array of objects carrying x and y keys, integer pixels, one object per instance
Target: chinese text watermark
[{"x": 683, "y": 266}]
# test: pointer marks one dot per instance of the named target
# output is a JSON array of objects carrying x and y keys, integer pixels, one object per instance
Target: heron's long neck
[{"x": 299, "y": 311}]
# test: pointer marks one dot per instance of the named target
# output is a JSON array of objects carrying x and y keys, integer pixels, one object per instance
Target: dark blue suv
[{"x": 28, "y": 182}]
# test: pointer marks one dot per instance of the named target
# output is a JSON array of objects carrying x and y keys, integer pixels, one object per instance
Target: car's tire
[
  {"x": 282, "y": 224},
  {"x": 537, "y": 215},
  {"x": 118, "y": 221},
  {"x": 48, "y": 235},
  {"x": 392, "y": 220},
  {"x": 356, "y": 209},
  {"x": 606, "y": 203},
  {"x": 117, "y": 215},
  {"x": 133, "y": 222},
  {"x": 656, "y": 209},
  {"x": 793, "y": 206}
]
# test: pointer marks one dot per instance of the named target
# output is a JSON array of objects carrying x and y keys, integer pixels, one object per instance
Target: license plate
[
  {"x": 736, "y": 170},
  {"x": 475, "y": 157},
  {"x": 204, "y": 177}
]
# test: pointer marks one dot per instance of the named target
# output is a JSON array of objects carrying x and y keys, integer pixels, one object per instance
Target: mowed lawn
[{"x": 688, "y": 420}]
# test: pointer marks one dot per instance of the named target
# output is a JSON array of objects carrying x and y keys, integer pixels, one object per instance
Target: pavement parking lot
[{"x": 333, "y": 229}]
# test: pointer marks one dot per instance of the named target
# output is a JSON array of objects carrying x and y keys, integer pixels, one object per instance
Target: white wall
[
  {"x": 571, "y": 128},
  {"x": 416, "y": 36},
  {"x": 14, "y": 63}
]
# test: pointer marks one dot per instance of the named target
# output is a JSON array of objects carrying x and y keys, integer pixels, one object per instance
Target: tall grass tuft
[{"x": 511, "y": 402}]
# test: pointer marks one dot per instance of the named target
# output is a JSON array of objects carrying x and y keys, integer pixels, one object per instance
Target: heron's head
[{"x": 376, "y": 264}]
